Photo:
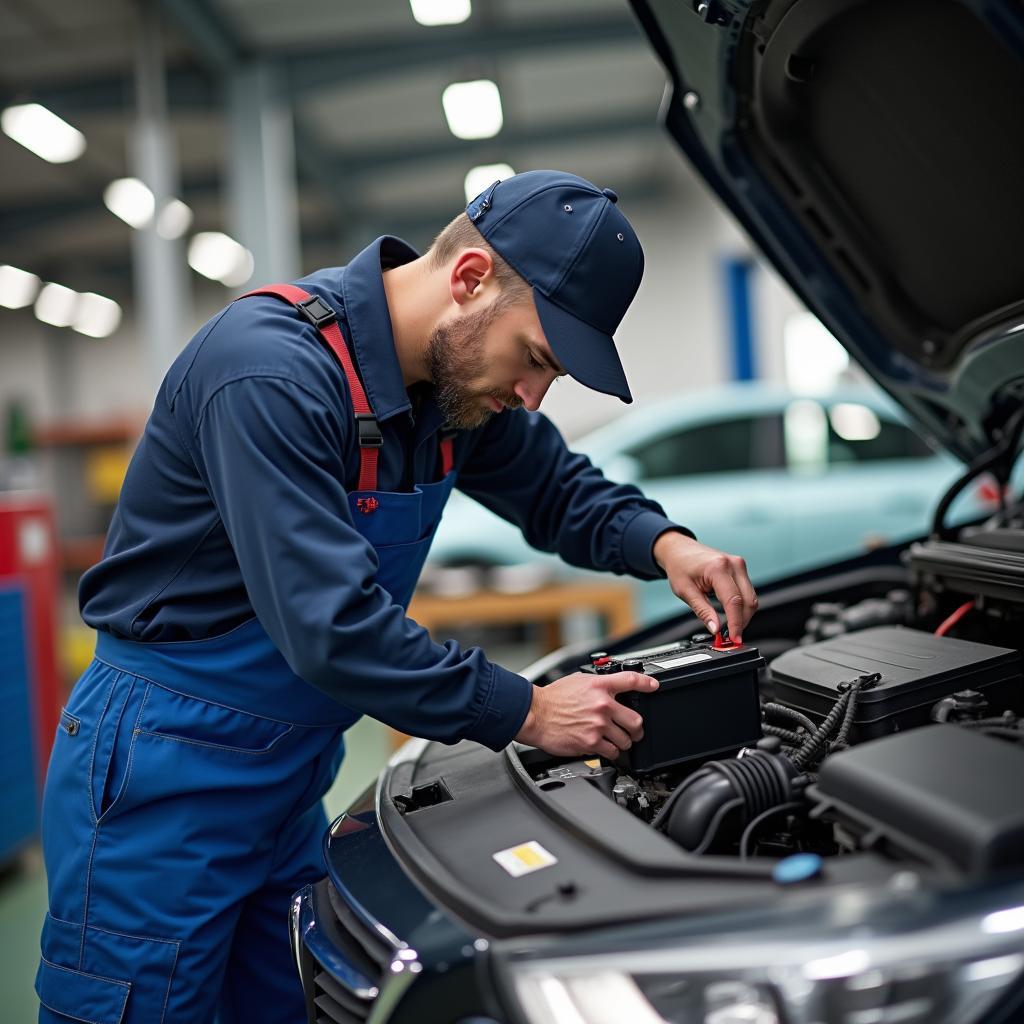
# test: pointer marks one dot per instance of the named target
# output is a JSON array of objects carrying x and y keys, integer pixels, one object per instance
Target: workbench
[{"x": 546, "y": 606}]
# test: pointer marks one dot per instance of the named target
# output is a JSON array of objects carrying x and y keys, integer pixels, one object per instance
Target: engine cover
[
  {"x": 943, "y": 791},
  {"x": 916, "y": 668}
]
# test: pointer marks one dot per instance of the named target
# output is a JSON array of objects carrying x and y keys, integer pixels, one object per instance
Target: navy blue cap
[{"x": 569, "y": 240}]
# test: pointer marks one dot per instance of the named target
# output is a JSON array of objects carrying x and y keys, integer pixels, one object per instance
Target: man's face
[{"x": 482, "y": 362}]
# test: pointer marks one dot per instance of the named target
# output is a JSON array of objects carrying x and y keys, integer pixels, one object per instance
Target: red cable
[{"x": 947, "y": 624}]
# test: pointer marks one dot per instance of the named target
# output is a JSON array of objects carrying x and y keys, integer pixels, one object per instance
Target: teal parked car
[{"x": 788, "y": 481}]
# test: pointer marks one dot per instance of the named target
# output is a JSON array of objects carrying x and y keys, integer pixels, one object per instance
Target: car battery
[
  {"x": 916, "y": 670},
  {"x": 706, "y": 704}
]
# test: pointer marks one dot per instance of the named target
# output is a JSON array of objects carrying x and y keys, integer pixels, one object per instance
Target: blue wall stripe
[{"x": 741, "y": 326}]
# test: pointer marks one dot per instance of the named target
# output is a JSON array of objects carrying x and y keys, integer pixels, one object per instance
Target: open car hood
[{"x": 874, "y": 151}]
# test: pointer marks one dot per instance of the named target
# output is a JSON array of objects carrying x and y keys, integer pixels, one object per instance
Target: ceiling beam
[
  {"x": 216, "y": 44},
  {"x": 332, "y": 65},
  {"x": 615, "y": 129},
  {"x": 336, "y": 173},
  {"x": 313, "y": 68},
  {"x": 417, "y": 224},
  {"x": 187, "y": 89}
]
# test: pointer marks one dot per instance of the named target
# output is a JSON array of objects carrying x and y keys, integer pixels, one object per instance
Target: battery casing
[{"x": 706, "y": 704}]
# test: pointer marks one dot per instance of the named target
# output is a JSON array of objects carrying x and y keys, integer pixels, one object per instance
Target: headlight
[
  {"x": 608, "y": 996},
  {"x": 918, "y": 967}
]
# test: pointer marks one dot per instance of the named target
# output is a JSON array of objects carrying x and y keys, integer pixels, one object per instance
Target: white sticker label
[
  {"x": 687, "y": 660},
  {"x": 522, "y": 859},
  {"x": 648, "y": 652}
]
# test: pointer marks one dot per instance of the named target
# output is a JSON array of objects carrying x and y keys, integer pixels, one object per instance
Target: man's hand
[
  {"x": 579, "y": 714},
  {"x": 694, "y": 570}
]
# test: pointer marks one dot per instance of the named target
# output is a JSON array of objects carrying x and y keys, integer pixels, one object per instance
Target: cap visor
[{"x": 587, "y": 354}]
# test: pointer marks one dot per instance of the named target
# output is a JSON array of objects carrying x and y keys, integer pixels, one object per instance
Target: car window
[
  {"x": 857, "y": 434},
  {"x": 726, "y": 446}
]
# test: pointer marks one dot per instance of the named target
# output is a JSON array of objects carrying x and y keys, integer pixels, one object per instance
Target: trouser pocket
[
  {"x": 179, "y": 718},
  {"x": 88, "y": 767},
  {"x": 115, "y": 743},
  {"x": 102, "y": 977}
]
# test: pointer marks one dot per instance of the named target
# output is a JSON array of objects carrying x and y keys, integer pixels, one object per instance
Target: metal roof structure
[{"x": 580, "y": 90}]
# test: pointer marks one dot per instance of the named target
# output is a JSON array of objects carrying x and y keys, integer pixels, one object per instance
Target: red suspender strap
[
  {"x": 323, "y": 318},
  {"x": 447, "y": 455}
]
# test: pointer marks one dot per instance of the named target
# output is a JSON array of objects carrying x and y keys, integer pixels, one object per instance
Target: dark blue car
[{"x": 826, "y": 823}]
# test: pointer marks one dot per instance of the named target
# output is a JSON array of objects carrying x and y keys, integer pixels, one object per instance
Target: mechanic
[{"x": 250, "y": 603}]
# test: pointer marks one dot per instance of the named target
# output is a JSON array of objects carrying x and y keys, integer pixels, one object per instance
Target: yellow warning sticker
[{"x": 522, "y": 859}]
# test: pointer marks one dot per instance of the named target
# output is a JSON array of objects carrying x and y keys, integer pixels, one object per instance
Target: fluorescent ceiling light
[
  {"x": 18, "y": 288},
  {"x": 131, "y": 200},
  {"x": 220, "y": 258},
  {"x": 441, "y": 12},
  {"x": 56, "y": 305},
  {"x": 485, "y": 174},
  {"x": 96, "y": 315},
  {"x": 174, "y": 219},
  {"x": 473, "y": 109},
  {"x": 43, "y": 132}
]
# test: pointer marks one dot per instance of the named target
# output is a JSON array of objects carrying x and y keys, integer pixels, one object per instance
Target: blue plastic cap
[{"x": 798, "y": 868}]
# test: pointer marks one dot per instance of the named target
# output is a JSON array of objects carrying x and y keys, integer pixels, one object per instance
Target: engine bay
[
  {"x": 888, "y": 719},
  {"x": 868, "y": 732}
]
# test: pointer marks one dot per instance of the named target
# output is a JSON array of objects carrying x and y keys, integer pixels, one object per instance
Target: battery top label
[{"x": 686, "y": 660}]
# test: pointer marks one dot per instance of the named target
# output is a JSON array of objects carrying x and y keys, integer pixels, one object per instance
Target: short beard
[{"x": 455, "y": 356}]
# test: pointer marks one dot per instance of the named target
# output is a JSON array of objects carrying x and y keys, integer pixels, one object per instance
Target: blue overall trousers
[{"x": 182, "y": 804}]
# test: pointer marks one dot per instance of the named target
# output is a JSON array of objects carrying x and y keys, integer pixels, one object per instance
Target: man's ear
[{"x": 471, "y": 275}]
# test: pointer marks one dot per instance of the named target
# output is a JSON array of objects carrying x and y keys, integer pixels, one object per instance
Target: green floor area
[
  {"x": 23, "y": 885},
  {"x": 22, "y": 905}
]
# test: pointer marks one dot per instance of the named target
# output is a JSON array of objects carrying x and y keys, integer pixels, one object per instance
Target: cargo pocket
[
  {"x": 122, "y": 979},
  {"x": 75, "y": 995}
]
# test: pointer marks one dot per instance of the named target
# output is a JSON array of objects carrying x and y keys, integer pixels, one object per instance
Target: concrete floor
[{"x": 23, "y": 886}]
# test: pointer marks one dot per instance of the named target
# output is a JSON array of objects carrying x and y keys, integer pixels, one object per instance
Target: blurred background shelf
[
  {"x": 107, "y": 430},
  {"x": 76, "y": 554}
]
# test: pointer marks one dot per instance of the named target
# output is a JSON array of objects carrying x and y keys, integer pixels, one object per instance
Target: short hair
[{"x": 461, "y": 234}]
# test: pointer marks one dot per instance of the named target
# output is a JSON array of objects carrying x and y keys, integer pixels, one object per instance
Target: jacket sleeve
[
  {"x": 270, "y": 452},
  {"x": 519, "y": 467}
]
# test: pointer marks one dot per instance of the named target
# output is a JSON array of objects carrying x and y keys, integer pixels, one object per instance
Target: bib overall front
[{"x": 182, "y": 804}]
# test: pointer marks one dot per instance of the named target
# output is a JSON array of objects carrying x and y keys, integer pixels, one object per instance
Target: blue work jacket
[{"x": 235, "y": 504}]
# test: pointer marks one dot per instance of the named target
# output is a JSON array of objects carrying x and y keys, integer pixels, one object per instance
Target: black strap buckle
[
  {"x": 316, "y": 311},
  {"x": 479, "y": 206},
  {"x": 369, "y": 431}
]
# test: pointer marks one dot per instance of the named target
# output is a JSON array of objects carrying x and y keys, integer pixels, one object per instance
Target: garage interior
[{"x": 212, "y": 145}]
